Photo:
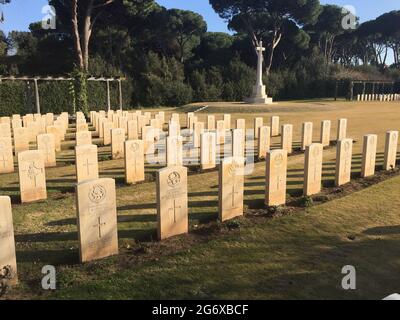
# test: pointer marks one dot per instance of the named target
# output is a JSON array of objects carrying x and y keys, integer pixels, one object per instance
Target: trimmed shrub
[{"x": 13, "y": 98}]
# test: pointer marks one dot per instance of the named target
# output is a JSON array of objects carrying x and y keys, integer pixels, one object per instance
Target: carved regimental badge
[
  {"x": 97, "y": 194},
  {"x": 278, "y": 160},
  {"x": 233, "y": 169},
  {"x": 347, "y": 146},
  {"x": 135, "y": 147},
  {"x": 174, "y": 179}
]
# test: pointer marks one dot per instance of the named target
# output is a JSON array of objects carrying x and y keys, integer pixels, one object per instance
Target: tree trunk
[
  {"x": 76, "y": 36},
  {"x": 87, "y": 32},
  {"x": 385, "y": 57},
  {"x": 395, "y": 54},
  {"x": 81, "y": 46},
  {"x": 181, "y": 44},
  {"x": 79, "y": 75},
  {"x": 182, "y": 53},
  {"x": 270, "y": 58},
  {"x": 275, "y": 41}
]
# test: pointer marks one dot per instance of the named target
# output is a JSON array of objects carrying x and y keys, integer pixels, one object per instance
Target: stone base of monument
[
  {"x": 259, "y": 96},
  {"x": 258, "y": 100}
]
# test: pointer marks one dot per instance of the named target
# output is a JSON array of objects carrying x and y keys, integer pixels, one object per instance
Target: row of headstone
[
  {"x": 15, "y": 121},
  {"x": 117, "y": 138},
  {"x": 276, "y": 170},
  {"x": 32, "y": 163},
  {"x": 87, "y": 166},
  {"x": 172, "y": 192},
  {"x": 96, "y": 200},
  {"x": 132, "y": 124},
  {"x": 209, "y": 140},
  {"x": 132, "y": 152},
  {"x": 16, "y": 134},
  {"x": 97, "y": 212},
  {"x": 378, "y": 97},
  {"x": 220, "y": 126},
  {"x": 83, "y": 135},
  {"x": 87, "y": 159}
]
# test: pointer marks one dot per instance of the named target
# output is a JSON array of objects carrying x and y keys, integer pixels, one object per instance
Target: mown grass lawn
[{"x": 298, "y": 256}]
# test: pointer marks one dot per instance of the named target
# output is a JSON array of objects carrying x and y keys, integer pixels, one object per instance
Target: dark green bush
[
  {"x": 161, "y": 82},
  {"x": 55, "y": 97},
  {"x": 13, "y": 98},
  {"x": 178, "y": 94}
]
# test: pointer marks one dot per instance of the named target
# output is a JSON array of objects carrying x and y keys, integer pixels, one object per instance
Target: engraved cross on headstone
[
  {"x": 4, "y": 160},
  {"x": 347, "y": 160},
  {"x": 87, "y": 165},
  {"x": 233, "y": 193},
  {"x": 210, "y": 148},
  {"x": 174, "y": 210},
  {"x": 278, "y": 180},
  {"x": 99, "y": 225},
  {"x": 371, "y": 158},
  {"x": 278, "y": 163},
  {"x": 135, "y": 148},
  {"x": 314, "y": 163}
]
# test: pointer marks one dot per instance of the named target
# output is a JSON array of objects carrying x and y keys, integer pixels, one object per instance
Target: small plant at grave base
[
  {"x": 5, "y": 276},
  {"x": 141, "y": 249},
  {"x": 104, "y": 158},
  {"x": 337, "y": 190},
  {"x": 351, "y": 237},
  {"x": 276, "y": 210},
  {"x": 149, "y": 177},
  {"x": 306, "y": 202},
  {"x": 322, "y": 198},
  {"x": 233, "y": 224}
]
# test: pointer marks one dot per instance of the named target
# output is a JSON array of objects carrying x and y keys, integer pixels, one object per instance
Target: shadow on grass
[
  {"x": 386, "y": 230},
  {"x": 203, "y": 194},
  {"x": 61, "y": 189},
  {"x": 53, "y": 257},
  {"x": 46, "y": 237},
  {"x": 120, "y": 219},
  {"x": 137, "y": 206}
]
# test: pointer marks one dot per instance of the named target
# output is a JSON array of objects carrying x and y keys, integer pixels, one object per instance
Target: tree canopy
[
  {"x": 168, "y": 56},
  {"x": 265, "y": 20}
]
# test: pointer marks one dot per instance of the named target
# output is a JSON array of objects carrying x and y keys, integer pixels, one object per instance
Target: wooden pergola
[
  {"x": 378, "y": 86},
  {"x": 49, "y": 78}
]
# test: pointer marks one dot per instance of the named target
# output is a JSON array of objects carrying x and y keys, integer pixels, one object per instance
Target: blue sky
[{"x": 20, "y": 13}]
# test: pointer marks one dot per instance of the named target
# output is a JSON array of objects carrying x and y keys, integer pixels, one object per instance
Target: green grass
[{"x": 298, "y": 256}]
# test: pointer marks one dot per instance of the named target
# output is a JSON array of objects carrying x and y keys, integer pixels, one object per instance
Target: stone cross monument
[{"x": 259, "y": 95}]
